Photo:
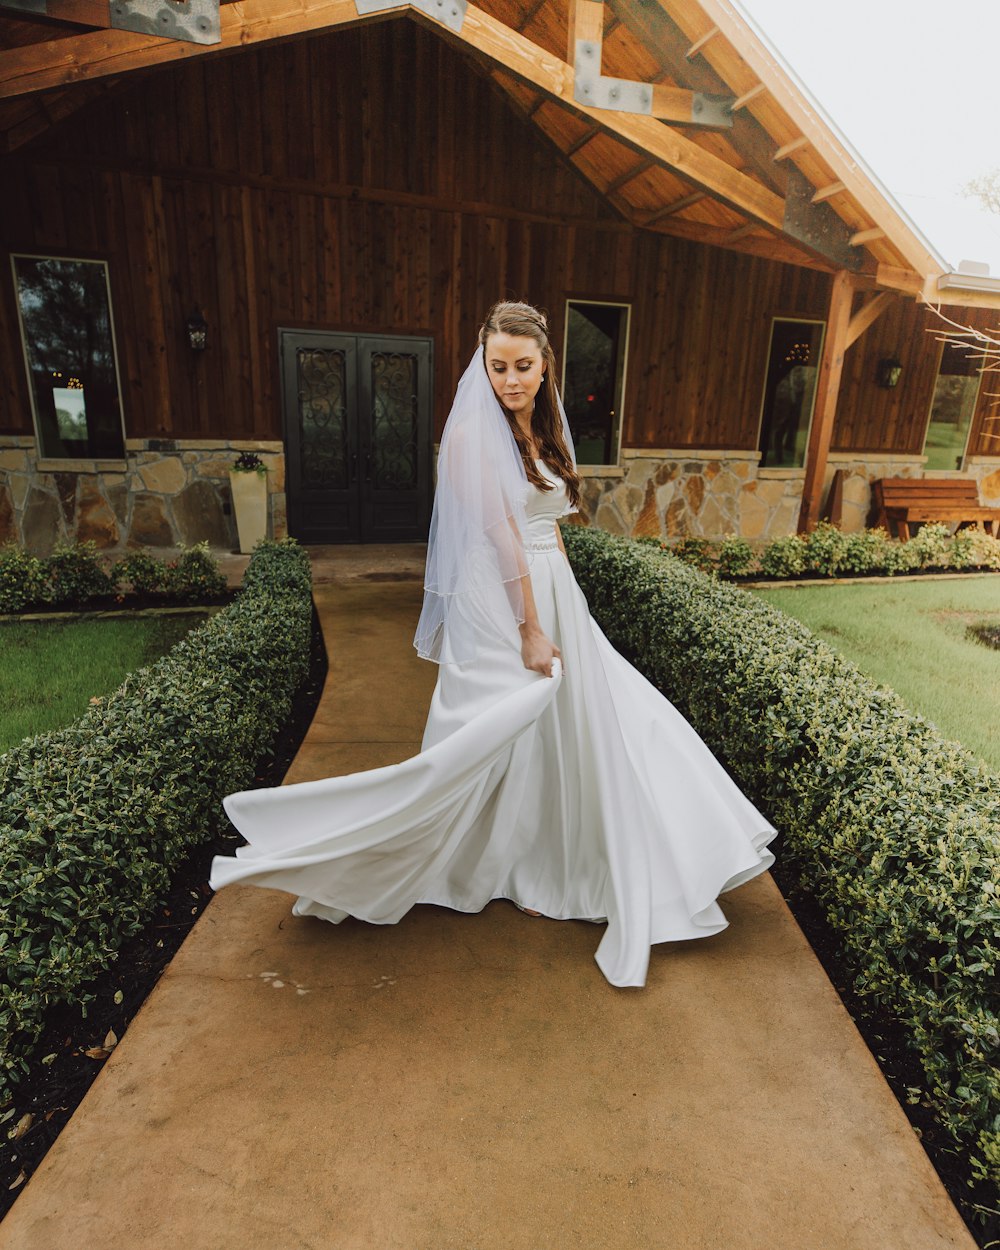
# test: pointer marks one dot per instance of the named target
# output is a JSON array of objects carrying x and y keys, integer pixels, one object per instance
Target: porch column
[{"x": 831, "y": 365}]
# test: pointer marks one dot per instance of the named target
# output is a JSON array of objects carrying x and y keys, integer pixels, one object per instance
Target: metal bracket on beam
[
  {"x": 594, "y": 89},
  {"x": 712, "y": 110},
  {"x": 817, "y": 225},
  {"x": 591, "y": 87},
  {"x": 194, "y": 21},
  {"x": 450, "y": 13}
]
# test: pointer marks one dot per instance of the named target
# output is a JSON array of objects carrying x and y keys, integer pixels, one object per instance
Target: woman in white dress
[{"x": 551, "y": 772}]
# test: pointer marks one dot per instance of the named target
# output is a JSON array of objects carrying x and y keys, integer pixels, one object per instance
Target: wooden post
[{"x": 827, "y": 391}]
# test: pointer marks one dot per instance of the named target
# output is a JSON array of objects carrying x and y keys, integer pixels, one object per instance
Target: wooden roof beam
[
  {"x": 649, "y": 22},
  {"x": 766, "y": 67},
  {"x": 624, "y": 179},
  {"x": 491, "y": 39},
  {"x": 867, "y": 315},
  {"x": 96, "y": 54},
  {"x": 742, "y": 101},
  {"x": 677, "y": 206},
  {"x": 698, "y": 44},
  {"x": 788, "y": 149},
  {"x": 827, "y": 192},
  {"x": 867, "y": 236},
  {"x": 79, "y": 12}
]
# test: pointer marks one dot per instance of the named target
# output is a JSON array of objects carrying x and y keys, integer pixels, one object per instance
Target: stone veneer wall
[
  {"x": 709, "y": 494},
  {"x": 170, "y": 492},
  {"x": 166, "y": 492}
]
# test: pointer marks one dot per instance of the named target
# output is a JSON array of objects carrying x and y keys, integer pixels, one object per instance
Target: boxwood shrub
[
  {"x": 94, "y": 817},
  {"x": 827, "y": 551},
  {"x": 893, "y": 829}
]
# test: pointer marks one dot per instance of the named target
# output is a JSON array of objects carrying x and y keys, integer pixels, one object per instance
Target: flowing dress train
[{"x": 585, "y": 795}]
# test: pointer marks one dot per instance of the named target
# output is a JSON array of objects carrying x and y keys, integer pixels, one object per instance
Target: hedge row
[
  {"x": 893, "y": 829},
  {"x": 94, "y": 817},
  {"x": 74, "y": 573},
  {"x": 829, "y": 552}
]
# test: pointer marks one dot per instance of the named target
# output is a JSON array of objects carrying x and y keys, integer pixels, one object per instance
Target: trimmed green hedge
[
  {"x": 94, "y": 817},
  {"x": 827, "y": 551},
  {"x": 893, "y": 829}
]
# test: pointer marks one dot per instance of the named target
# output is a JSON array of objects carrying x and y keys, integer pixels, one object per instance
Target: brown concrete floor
[{"x": 473, "y": 1081}]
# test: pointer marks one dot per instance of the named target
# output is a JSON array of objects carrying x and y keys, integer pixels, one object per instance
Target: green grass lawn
[
  {"x": 912, "y": 636},
  {"x": 51, "y": 669}
]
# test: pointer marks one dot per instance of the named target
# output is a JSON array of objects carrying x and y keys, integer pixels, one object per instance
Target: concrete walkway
[{"x": 473, "y": 1081}]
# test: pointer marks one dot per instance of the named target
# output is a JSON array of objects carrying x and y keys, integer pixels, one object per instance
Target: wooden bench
[{"x": 900, "y": 501}]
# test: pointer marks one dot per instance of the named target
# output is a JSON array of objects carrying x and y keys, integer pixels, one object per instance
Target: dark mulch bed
[
  {"x": 132, "y": 602},
  {"x": 51, "y": 1092}
]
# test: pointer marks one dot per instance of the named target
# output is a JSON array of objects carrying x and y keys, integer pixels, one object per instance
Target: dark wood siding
[{"x": 373, "y": 181}]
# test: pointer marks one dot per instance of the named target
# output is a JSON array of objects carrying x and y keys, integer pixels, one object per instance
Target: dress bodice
[{"x": 543, "y": 507}]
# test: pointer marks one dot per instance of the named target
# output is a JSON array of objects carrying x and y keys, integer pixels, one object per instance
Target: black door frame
[{"x": 357, "y": 511}]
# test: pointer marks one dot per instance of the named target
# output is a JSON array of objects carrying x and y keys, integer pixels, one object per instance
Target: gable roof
[{"x": 723, "y": 145}]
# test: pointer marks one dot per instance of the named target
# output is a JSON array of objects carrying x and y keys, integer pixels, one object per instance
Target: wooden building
[{"x": 277, "y": 226}]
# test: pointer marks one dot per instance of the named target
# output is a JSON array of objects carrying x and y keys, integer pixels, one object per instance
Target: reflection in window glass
[
  {"x": 594, "y": 378},
  {"x": 66, "y": 329},
  {"x": 955, "y": 393},
  {"x": 789, "y": 392}
]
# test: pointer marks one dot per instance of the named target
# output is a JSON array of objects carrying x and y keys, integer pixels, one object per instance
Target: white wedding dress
[{"x": 585, "y": 795}]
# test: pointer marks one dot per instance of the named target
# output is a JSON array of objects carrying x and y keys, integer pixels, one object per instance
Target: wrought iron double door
[{"x": 358, "y": 436}]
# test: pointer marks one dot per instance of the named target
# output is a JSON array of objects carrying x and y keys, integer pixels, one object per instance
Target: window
[
  {"x": 66, "y": 329},
  {"x": 594, "y": 377},
  {"x": 955, "y": 393},
  {"x": 789, "y": 392}
]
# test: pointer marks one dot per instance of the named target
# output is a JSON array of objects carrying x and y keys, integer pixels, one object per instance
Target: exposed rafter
[
  {"x": 765, "y": 67},
  {"x": 867, "y": 314}
]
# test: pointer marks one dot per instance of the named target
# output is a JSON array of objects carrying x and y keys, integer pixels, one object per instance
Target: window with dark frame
[
  {"x": 956, "y": 390},
  {"x": 64, "y": 306},
  {"x": 789, "y": 392},
  {"x": 594, "y": 377}
]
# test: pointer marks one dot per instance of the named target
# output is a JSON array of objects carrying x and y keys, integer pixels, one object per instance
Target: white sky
[{"x": 911, "y": 84}]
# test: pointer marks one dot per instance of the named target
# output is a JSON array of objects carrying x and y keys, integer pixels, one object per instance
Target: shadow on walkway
[{"x": 473, "y": 1081}]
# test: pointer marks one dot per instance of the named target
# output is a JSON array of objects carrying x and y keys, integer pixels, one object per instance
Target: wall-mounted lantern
[
  {"x": 197, "y": 331},
  {"x": 889, "y": 373}
]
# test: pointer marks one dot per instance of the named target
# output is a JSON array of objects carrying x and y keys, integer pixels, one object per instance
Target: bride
[{"x": 551, "y": 772}]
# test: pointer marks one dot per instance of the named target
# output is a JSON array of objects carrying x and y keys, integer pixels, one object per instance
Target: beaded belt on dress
[{"x": 541, "y": 544}]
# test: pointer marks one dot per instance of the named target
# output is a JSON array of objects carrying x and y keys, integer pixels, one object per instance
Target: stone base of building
[
  {"x": 172, "y": 492},
  {"x": 674, "y": 494},
  {"x": 165, "y": 493}
]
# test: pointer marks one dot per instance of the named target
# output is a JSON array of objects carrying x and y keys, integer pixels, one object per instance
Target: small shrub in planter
[
  {"x": 698, "y": 552},
  {"x": 735, "y": 558},
  {"x": 867, "y": 551},
  {"x": 143, "y": 571},
  {"x": 783, "y": 557},
  {"x": 76, "y": 575},
  {"x": 825, "y": 547},
  {"x": 195, "y": 574},
  {"x": 931, "y": 544},
  {"x": 23, "y": 581}
]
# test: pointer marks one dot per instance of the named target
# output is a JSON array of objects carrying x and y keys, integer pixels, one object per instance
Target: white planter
[{"x": 250, "y": 505}]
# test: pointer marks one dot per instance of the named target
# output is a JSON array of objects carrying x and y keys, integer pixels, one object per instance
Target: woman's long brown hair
[{"x": 523, "y": 321}]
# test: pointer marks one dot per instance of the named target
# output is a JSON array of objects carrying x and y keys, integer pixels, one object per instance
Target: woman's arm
[{"x": 537, "y": 650}]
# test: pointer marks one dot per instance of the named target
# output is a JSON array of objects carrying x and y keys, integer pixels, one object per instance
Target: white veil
[{"x": 478, "y": 522}]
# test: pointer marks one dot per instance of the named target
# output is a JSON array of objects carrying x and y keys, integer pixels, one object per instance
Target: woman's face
[{"x": 516, "y": 368}]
